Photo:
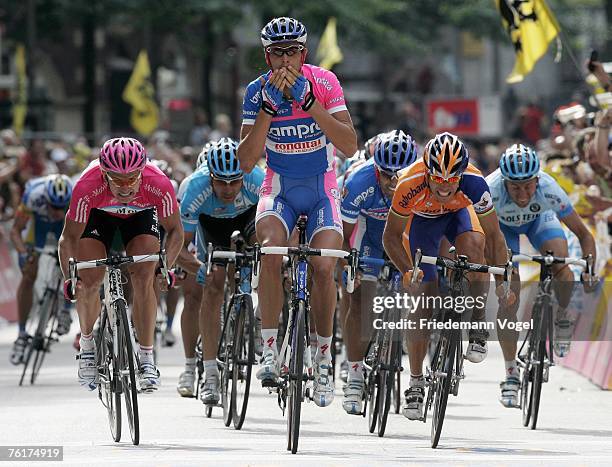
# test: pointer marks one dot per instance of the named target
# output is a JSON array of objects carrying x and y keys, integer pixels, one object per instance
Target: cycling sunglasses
[
  {"x": 387, "y": 173},
  {"x": 124, "y": 181},
  {"x": 442, "y": 180},
  {"x": 231, "y": 181},
  {"x": 280, "y": 51}
]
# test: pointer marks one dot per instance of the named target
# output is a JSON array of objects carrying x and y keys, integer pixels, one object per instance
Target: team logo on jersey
[
  {"x": 535, "y": 207},
  {"x": 411, "y": 194}
]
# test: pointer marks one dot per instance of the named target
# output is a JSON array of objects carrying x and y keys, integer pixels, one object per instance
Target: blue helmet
[
  {"x": 222, "y": 160},
  {"x": 519, "y": 162},
  {"x": 59, "y": 191},
  {"x": 281, "y": 30},
  {"x": 394, "y": 151}
]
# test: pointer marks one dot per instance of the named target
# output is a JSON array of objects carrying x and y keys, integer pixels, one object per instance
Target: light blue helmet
[
  {"x": 222, "y": 160},
  {"x": 519, "y": 162},
  {"x": 202, "y": 156},
  {"x": 59, "y": 191},
  {"x": 281, "y": 30},
  {"x": 394, "y": 151}
]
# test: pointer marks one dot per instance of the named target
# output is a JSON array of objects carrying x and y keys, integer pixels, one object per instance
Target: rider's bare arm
[
  {"x": 252, "y": 141},
  {"x": 185, "y": 259},
  {"x": 68, "y": 243},
  {"x": 577, "y": 226},
  {"x": 338, "y": 127},
  {"x": 392, "y": 241},
  {"x": 174, "y": 230},
  {"x": 21, "y": 220}
]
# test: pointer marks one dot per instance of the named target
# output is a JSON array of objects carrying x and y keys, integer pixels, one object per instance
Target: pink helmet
[{"x": 123, "y": 155}]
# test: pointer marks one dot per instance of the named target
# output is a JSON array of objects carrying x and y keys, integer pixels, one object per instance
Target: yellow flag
[
  {"x": 20, "y": 99},
  {"x": 140, "y": 94},
  {"x": 531, "y": 26},
  {"x": 328, "y": 51}
]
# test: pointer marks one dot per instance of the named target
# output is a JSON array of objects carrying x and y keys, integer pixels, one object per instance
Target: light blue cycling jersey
[
  {"x": 197, "y": 197},
  {"x": 34, "y": 198},
  {"x": 296, "y": 147},
  {"x": 549, "y": 196}
]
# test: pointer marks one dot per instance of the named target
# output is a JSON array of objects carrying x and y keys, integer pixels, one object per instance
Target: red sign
[{"x": 458, "y": 116}]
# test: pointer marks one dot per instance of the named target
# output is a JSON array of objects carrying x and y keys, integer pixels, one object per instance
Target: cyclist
[
  {"x": 366, "y": 199},
  {"x": 218, "y": 199},
  {"x": 442, "y": 195},
  {"x": 42, "y": 210},
  {"x": 297, "y": 112},
  {"x": 191, "y": 305},
  {"x": 121, "y": 191},
  {"x": 530, "y": 202}
]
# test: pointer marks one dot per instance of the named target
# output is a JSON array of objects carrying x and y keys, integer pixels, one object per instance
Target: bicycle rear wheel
[
  {"x": 296, "y": 375},
  {"x": 442, "y": 381},
  {"x": 539, "y": 356},
  {"x": 128, "y": 372},
  {"x": 373, "y": 384},
  {"x": 109, "y": 384},
  {"x": 244, "y": 356}
]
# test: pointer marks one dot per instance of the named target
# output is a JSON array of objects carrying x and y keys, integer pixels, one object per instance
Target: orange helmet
[{"x": 445, "y": 156}]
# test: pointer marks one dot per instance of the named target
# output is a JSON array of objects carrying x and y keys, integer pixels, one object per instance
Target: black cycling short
[
  {"x": 102, "y": 226},
  {"x": 218, "y": 230}
]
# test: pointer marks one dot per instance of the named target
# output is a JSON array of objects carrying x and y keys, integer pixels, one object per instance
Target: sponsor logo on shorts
[{"x": 321, "y": 217}]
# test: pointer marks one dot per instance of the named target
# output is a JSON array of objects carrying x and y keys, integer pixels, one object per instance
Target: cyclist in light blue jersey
[
  {"x": 216, "y": 200},
  {"x": 41, "y": 212},
  {"x": 529, "y": 202},
  {"x": 366, "y": 200}
]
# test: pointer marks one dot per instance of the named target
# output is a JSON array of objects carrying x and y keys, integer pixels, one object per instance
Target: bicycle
[
  {"x": 534, "y": 356},
  {"x": 236, "y": 351},
  {"x": 117, "y": 357},
  {"x": 383, "y": 360},
  {"x": 296, "y": 375},
  {"x": 47, "y": 309},
  {"x": 446, "y": 371}
]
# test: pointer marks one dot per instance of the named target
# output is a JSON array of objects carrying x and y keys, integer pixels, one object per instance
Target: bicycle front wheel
[
  {"x": 128, "y": 372},
  {"x": 296, "y": 375},
  {"x": 244, "y": 356},
  {"x": 442, "y": 381},
  {"x": 109, "y": 383},
  {"x": 226, "y": 357},
  {"x": 539, "y": 358},
  {"x": 387, "y": 378}
]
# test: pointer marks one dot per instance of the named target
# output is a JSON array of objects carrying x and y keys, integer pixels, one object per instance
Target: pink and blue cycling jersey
[{"x": 295, "y": 145}]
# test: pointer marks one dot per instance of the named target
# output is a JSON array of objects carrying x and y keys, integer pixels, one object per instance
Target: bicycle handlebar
[
  {"x": 550, "y": 259},
  {"x": 114, "y": 261},
  {"x": 351, "y": 256}
]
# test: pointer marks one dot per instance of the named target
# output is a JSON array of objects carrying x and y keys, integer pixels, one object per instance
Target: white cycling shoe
[
  {"x": 352, "y": 403},
  {"x": 185, "y": 386},
  {"x": 149, "y": 377},
  {"x": 323, "y": 390},
  {"x": 268, "y": 371},
  {"x": 88, "y": 369},
  {"x": 209, "y": 393},
  {"x": 510, "y": 391}
]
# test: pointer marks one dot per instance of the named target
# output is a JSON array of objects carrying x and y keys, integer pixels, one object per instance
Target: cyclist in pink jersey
[
  {"x": 297, "y": 113},
  {"x": 124, "y": 192}
]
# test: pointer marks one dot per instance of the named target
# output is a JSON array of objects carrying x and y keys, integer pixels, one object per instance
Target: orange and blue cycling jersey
[{"x": 429, "y": 220}]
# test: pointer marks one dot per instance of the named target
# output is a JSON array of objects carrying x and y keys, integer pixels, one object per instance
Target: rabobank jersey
[
  {"x": 362, "y": 196},
  {"x": 197, "y": 197},
  {"x": 548, "y": 196},
  {"x": 34, "y": 200},
  {"x": 295, "y": 145},
  {"x": 413, "y": 196}
]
